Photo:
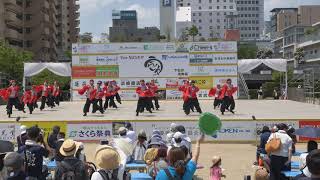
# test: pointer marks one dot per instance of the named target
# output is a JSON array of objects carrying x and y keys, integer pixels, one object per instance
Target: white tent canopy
[
  {"x": 247, "y": 65},
  {"x": 60, "y": 69}
]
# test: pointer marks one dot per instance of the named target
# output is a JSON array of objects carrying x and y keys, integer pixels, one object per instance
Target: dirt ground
[{"x": 237, "y": 159}]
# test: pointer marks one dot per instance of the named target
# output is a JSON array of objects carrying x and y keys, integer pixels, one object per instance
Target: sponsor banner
[
  {"x": 213, "y": 47},
  {"x": 47, "y": 126},
  {"x": 315, "y": 124},
  {"x": 211, "y": 59},
  {"x": 107, "y": 71},
  {"x": 203, "y": 94},
  {"x": 94, "y": 131},
  {"x": 128, "y": 94},
  {"x": 173, "y": 94},
  {"x": 77, "y": 97},
  {"x": 8, "y": 131},
  {"x": 83, "y": 72},
  {"x": 95, "y": 60},
  {"x": 148, "y": 65},
  {"x": 203, "y": 82},
  {"x": 214, "y": 70},
  {"x": 223, "y": 80},
  {"x": 78, "y": 83},
  {"x": 126, "y": 83},
  {"x": 175, "y": 83},
  {"x": 270, "y": 124}
]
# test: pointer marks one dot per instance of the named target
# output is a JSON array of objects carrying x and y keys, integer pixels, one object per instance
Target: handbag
[{"x": 273, "y": 145}]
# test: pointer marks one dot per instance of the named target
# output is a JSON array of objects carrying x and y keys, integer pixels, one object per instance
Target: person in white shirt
[
  {"x": 140, "y": 146},
  {"x": 312, "y": 145},
  {"x": 123, "y": 134},
  {"x": 130, "y": 133},
  {"x": 281, "y": 159}
]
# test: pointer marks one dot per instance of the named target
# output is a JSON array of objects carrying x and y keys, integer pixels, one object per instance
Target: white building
[
  {"x": 183, "y": 21},
  {"x": 210, "y": 16},
  {"x": 168, "y": 18}
]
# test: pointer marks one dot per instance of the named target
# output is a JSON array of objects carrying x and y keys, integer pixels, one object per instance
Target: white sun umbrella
[{"x": 124, "y": 145}]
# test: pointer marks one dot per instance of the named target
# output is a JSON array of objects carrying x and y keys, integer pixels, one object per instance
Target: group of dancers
[
  {"x": 49, "y": 95},
  {"x": 146, "y": 91}
]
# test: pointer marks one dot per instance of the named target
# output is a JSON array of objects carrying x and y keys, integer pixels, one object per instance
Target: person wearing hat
[
  {"x": 227, "y": 92},
  {"x": 143, "y": 92},
  {"x": 14, "y": 164},
  {"x": 108, "y": 161},
  {"x": 190, "y": 97},
  {"x": 265, "y": 134},
  {"x": 131, "y": 134},
  {"x": 98, "y": 100},
  {"x": 215, "y": 169},
  {"x": 21, "y": 139},
  {"x": 70, "y": 167},
  {"x": 90, "y": 92},
  {"x": 179, "y": 140},
  {"x": 171, "y": 133},
  {"x": 10, "y": 95},
  {"x": 140, "y": 146},
  {"x": 34, "y": 150}
]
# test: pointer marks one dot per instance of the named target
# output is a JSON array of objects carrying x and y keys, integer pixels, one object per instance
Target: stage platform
[{"x": 172, "y": 111}]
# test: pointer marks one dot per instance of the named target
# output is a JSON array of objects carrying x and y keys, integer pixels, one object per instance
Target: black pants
[
  {"x": 97, "y": 106},
  {"x": 30, "y": 107},
  {"x": 143, "y": 102},
  {"x": 227, "y": 103},
  {"x": 13, "y": 102},
  {"x": 278, "y": 165},
  {"x": 217, "y": 102},
  {"x": 43, "y": 102},
  {"x": 192, "y": 102},
  {"x": 56, "y": 100},
  {"x": 156, "y": 102},
  {"x": 87, "y": 105},
  {"x": 50, "y": 101},
  {"x": 110, "y": 102},
  {"x": 35, "y": 105},
  {"x": 118, "y": 98}
]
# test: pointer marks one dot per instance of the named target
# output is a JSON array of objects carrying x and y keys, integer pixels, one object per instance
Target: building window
[
  {"x": 245, "y": 2},
  {"x": 257, "y": 35},
  {"x": 224, "y": 0},
  {"x": 245, "y": 15},
  {"x": 210, "y": 14},
  {"x": 231, "y": 1},
  {"x": 200, "y": 14},
  {"x": 257, "y": 21},
  {"x": 257, "y": 2},
  {"x": 200, "y": 20},
  {"x": 218, "y": 27},
  {"x": 210, "y": 7},
  {"x": 257, "y": 15},
  {"x": 249, "y": 2},
  {"x": 257, "y": 8},
  {"x": 28, "y": 43},
  {"x": 28, "y": 30},
  {"x": 249, "y": 35},
  {"x": 200, "y": 27},
  {"x": 210, "y": 1},
  {"x": 28, "y": 3},
  {"x": 224, "y": 20},
  {"x": 249, "y": 15},
  {"x": 211, "y": 20},
  {"x": 249, "y": 21},
  {"x": 28, "y": 17},
  {"x": 210, "y": 27},
  {"x": 200, "y": 34},
  {"x": 199, "y": 1},
  {"x": 249, "y": 8},
  {"x": 245, "y": 8},
  {"x": 188, "y": 4},
  {"x": 249, "y": 28},
  {"x": 241, "y": 8},
  {"x": 218, "y": 13},
  {"x": 225, "y": 13},
  {"x": 218, "y": 7},
  {"x": 231, "y": 7},
  {"x": 194, "y": 21},
  {"x": 199, "y": 7},
  {"x": 257, "y": 28},
  {"x": 224, "y": 7},
  {"x": 194, "y": 14}
]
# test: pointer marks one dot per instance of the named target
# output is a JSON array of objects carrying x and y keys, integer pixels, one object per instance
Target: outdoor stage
[{"x": 238, "y": 127}]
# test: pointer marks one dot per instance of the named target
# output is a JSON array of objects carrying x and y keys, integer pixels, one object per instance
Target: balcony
[
  {"x": 77, "y": 23},
  {"x": 77, "y": 15},
  {"x": 13, "y": 34},
  {"x": 77, "y": 7},
  {"x": 46, "y": 44},
  {"x": 311, "y": 39},
  {"x": 46, "y": 31},
  {"x": 12, "y": 5},
  {"x": 46, "y": 4},
  {"x": 77, "y": 31},
  {"x": 46, "y": 18},
  {"x": 13, "y": 2}
]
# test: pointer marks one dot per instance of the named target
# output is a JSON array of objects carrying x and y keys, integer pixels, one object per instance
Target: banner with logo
[
  {"x": 95, "y": 60},
  {"x": 83, "y": 72},
  {"x": 314, "y": 124},
  {"x": 78, "y": 83},
  {"x": 8, "y": 131},
  {"x": 173, "y": 94},
  {"x": 149, "y": 65},
  {"x": 204, "y": 82},
  {"x": 214, "y": 70},
  {"x": 213, "y": 59},
  {"x": 93, "y": 131},
  {"x": 128, "y": 94},
  {"x": 127, "y": 83}
]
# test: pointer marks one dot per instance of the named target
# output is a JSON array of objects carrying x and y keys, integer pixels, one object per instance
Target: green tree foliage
[
  {"x": 264, "y": 54},
  {"x": 193, "y": 32},
  {"x": 11, "y": 61},
  {"x": 247, "y": 51},
  {"x": 299, "y": 55},
  {"x": 47, "y": 75},
  {"x": 68, "y": 54}
]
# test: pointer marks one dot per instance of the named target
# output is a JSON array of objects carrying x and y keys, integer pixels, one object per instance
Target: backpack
[
  {"x": 169, "y": 175},
  {"x": 69, "y": 173}
]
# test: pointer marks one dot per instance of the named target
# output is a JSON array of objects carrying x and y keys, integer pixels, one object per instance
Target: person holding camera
[{"x": 33, "y": 151}]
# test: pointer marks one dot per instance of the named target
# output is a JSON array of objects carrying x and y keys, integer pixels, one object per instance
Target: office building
[
  {"x": 33, "y": 26},
  {"x": 168, "y": 19},
  {"x": 125, "y": 28}
]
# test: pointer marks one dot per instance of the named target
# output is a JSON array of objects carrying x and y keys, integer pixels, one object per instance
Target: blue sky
[{"x": 95, "y": 15}]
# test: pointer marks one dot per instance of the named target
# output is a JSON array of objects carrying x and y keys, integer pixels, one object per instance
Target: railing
[{"x": 243, "y": 83}]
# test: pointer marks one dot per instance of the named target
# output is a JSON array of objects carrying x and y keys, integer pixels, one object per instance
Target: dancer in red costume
[
  {"x": 98, "y": 105},
  {"x": 143, "y": 92},
  {"x": 183, "y": 89},
  {"x": 45, "y": 95},
  {"x": 35, "y": 95},
  {"x": 27, "y": 100},
  {"x": 110, "y": 92},
  {"x": 90, "y": 94},
  {"x": 10, "y": 95},
  {"x": 216, "y": 93},
  {"x": 117, "y": 88},
  {"x": 227, "y": 92},
  {"x": 56, "y": 93},
  {"x": 190, "y": 98},
  {"x": 154, "y": 95}
]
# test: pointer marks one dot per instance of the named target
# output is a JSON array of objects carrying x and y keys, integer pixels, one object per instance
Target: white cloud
[
  {"x": 146, "y": 16},
  {"x": 90, "y": 6}
]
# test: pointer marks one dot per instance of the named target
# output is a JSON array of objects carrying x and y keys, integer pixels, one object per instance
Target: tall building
[
  {"x": 250, "y": 18},
  {"x": 125, "y": 28},
  {"x": 210, "y": 16},
  {"x": 33, "y": 26},
  {"x": 168, "y": 18},
  {"x": 282, "y": 18}
]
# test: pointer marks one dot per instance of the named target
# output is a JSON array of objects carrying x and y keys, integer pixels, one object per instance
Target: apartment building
[{"x": 32, "y": 25}]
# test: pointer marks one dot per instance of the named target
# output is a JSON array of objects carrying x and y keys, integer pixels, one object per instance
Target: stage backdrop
[{"x": 208, "y": 63}]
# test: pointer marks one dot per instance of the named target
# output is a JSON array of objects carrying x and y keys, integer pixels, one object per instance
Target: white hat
[
  {"x": 178, "y": 135},
  {"x": 23, "y": 129}
]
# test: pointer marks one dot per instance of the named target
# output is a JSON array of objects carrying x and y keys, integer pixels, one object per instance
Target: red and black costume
[
  {"x": 98, "y": 105},
  {"x": 190, "y": 98},
  {"x": 216, "y": 93},
  {"x": 27, "y": 99},
  {"x": 36, "y": 90},
  {"x": 183, "y": 89},
  {"x": 144, "y": 93},
  {"x": 45, "y": 96},
  {"x": 154, "y": 95},
  {"x": 110, "y": 92},
  {"x": 227, "y": 92},
  {"x": 10, "y": 95},
  {"x": 91, "y": 93},
  {"x": 118, "y": 98},
  {"x": 56, "y": 93}
]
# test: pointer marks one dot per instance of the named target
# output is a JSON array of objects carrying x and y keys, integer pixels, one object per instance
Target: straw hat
[
  {"x": 215, "y": 160},
  {"x": 261, "y": 174},
  {"x": 122, "y": 130},
  {"x": 107, "y": 157},
  {"x": 150, "y": 155},
  {"x": 69, "y": 147}
]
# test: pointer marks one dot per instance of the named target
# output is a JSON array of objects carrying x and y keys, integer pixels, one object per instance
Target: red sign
[
  {"x": 315, "y": 124},
  {"x": 83, "y": 72}
]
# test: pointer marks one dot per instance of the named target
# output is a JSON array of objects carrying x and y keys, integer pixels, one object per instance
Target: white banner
[
  {"x": 214, "y": 70},
  {"x": 128, "y": 94},
  {"x": 78, "y": 83},
  {"x": 89, "y": 131},
  {"x": 223, "y": 80},
  {"x": 270, "y": 124},
  {"x": 212, "y": 59},
  {"x": 203, "y": 94},
  {"x": 126, "y": 83},
  {"x": 95, "y": 60},
  {"x": 173, "y": 94},
  {"x": 8, "y": 131},
  {"x": 213, "y": 47},
  {"x": 148, "y": 65}
]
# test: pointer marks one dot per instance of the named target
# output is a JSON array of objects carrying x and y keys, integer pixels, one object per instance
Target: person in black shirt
[
  {"x": 58, "y": 157},
  {"x": 52, "y": 138},
  {"x": 14, "y": 164},
  {"x": 34, "y": 150}
]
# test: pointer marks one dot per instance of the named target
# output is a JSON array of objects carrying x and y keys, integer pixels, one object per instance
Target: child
[{"x": 215, "y": 170}]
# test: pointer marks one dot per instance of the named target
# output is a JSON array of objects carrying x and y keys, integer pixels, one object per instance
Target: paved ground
[
  {"x": 171, "y": 110},
  {"x": 237, "y": 159}
]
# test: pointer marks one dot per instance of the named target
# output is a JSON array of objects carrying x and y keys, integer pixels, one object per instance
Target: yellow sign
[
  {"x": 203, "y": 82},
  {"x": 47, "y": 126}
]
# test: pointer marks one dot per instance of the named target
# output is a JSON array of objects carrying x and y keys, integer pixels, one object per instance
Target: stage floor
[{"x": 172, "y": 110}]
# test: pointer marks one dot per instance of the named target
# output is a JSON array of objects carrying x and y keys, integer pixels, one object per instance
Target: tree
[
  {"x": 247, "y": 51},
  {"x": 68, "y": 54},
  {"x": 299, "y": 55},
  {"x": 86, "y": 37},
  {"x": 11, "y": 61},
  {"x": 184, "y": 35},
  {"x": 264, "y": 54},
  {"x": 193, "y": 31},
  {"x": 202, "y": 39},
  {"x": 47, "y": 75}
]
